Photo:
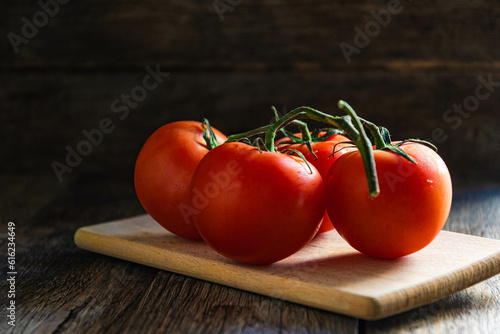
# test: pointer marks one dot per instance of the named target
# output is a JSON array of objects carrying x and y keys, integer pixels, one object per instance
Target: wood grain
[
  {"x": 327, "y": 274},
  {"x": 61, "y": 105},
  {"x": 64, "y": 289},
  {"x": 256, "y": 35}
]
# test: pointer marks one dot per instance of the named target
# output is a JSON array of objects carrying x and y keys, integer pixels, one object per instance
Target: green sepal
[
  {"x": 309, "y": 147},
  {"x": 300, "y": 155},
  {"x": 246, "y": 141},
  {"x": 419, "y": 141},
  {"x": 294, "y": 139},
  {"x": 398, "y": 150},
  {"x": 209, "y": 135},
  {"x": 386, "y": 136},
  {"x": 317, "y": 137},
  {"x": 297, "y": 140},
  {"x": 341, "y": 142},
  {"x": 259, "y": 144}
]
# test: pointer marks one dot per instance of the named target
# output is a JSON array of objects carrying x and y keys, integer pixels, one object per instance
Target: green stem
[
  {"x": 247, "y": 134},
  {"x": 306, "y": 137},
  {"x": 365, "y": 148},
  {"x": 354, "y": 131},
  {"x": 304, "y": 129},
  {"x": 375, "y": 131},
  {"x": 342, "y": 122}
]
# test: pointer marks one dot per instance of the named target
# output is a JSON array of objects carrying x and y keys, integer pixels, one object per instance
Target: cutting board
[{"x": 327, "y": 274}]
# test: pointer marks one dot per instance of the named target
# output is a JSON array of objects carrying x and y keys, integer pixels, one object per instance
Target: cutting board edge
[
  {"x": 374, "y": 307},
  {"x": 386, "y": 308},
  {"x": 86, "y": 239}
]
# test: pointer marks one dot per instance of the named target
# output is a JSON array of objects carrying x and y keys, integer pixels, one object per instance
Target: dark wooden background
[
  {"x": 276, "y": 52},
  {"x": 282, "y": 53}
]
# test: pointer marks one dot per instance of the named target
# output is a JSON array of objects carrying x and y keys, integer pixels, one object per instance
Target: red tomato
[
  {"x": 411, "y": 209},
  {"x": 323, "y": 162},
  {"x": 256, "y": 207},
  {"x": 163, "y": 172}
]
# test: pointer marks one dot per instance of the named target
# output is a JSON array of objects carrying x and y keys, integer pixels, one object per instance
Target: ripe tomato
[
  {"x": 163, "y": 173},
  {"x": 411, "y": 209},
  {"x": 256, "y": 207},
  {"x": 323, "y": 162}
]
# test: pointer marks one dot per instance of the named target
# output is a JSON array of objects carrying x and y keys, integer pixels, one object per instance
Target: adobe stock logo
[
  {"x": 221, "y": 7},
  {"x": 372, "y": 29},
  {"x": 29, "y": 30},
  {"x": 223, "y": 180},
  {"x": 455, "y": 116},
  {"x": 120, "y": 106},
  {"x": 404, "y": 171}
]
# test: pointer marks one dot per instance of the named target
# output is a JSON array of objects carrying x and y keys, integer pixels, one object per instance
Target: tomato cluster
[{"x": 260, "y": 203}]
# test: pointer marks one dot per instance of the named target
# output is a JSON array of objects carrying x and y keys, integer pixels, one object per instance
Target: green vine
[
  {"x": 353, "y": 131},
  {"x": 349, "y": 125}
]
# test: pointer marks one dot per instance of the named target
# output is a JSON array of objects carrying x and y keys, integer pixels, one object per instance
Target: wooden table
[
  {"x": 65, "y": 78},
  {"x": 62, "y": 289}
]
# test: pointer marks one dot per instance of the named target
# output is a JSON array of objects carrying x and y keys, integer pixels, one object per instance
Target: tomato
[
  {"x": 411, "y": 209},
  {"x": 323, "y": 162},
  {"x": 256, "y": 207},
  {"x": 163, "y": 173}
]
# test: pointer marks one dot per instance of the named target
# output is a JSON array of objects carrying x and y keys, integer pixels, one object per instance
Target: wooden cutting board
[{"x": 327, "y": 274}]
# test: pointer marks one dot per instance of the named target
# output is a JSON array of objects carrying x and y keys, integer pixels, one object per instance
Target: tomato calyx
[
  {"x": 351, "y": 145},
  {"x": 209, "y": 135},
  {"x": 316, "y": 136},
  {"x": 304, "y": 129},
  {"x": 383, "y": 140},
  {"x": 258, "y": 143},
  {"x": 396, "y": 148}
]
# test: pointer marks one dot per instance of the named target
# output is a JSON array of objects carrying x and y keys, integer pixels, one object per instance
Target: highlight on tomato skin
[
  {"x": 254, "y": 206},
  {"x": 322, "y": 161},
  {"x": 411, "y": 209},
  {"x": 163, "y": 173}
]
